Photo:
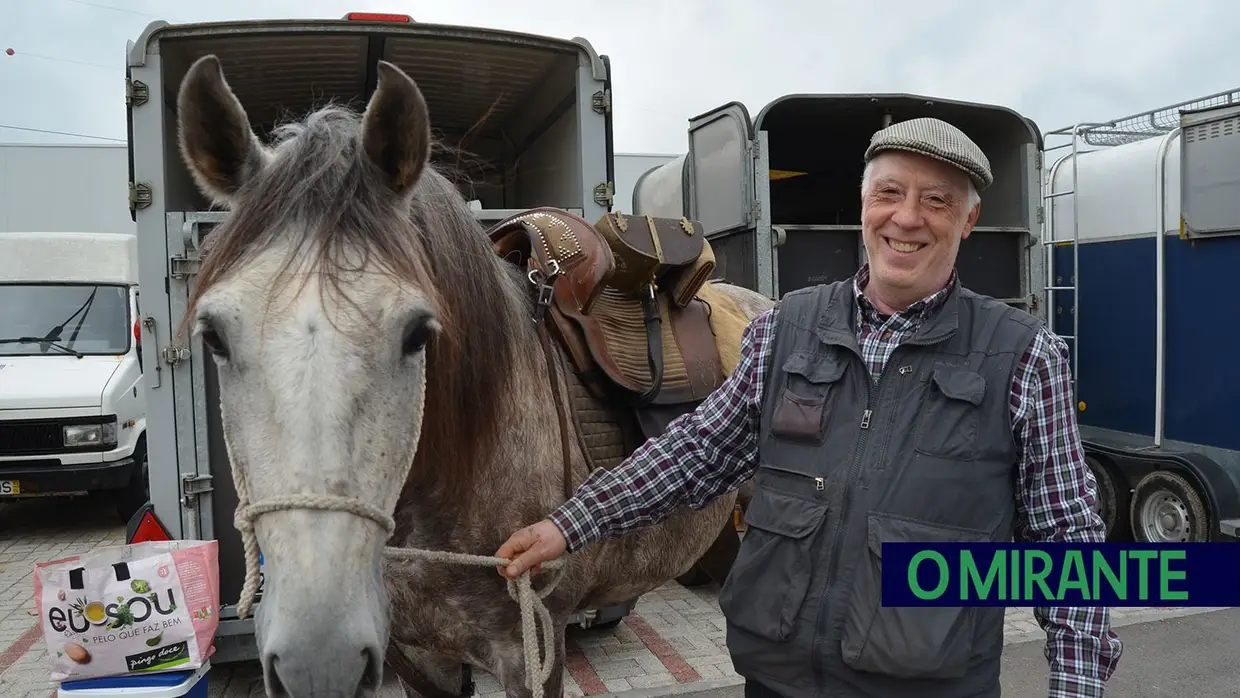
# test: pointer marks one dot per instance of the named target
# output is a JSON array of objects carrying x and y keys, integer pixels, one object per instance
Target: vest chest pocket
[
  {"x": 771, "y": 575},
  {"x": 803, "y": 406},
  {"x": 950, "y": 414}
]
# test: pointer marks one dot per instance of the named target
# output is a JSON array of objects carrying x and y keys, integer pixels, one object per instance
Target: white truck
[
  {"x": 34, "y": 178},
  {"x": 72, "y": 403},
  {"x": 532, "y": 112}
]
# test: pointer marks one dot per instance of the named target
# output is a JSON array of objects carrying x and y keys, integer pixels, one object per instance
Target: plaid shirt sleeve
[
  {"x": 702, "y": 455},
  {"x": 1056, "y": 504}
]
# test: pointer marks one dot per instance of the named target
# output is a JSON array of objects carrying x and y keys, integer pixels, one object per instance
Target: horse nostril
[
  {"x": 271, "y": 676},
  {"x": 372, "y": 676}
]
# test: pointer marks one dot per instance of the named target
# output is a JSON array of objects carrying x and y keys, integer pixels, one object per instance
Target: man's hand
[{"x": 530, "y": 547}]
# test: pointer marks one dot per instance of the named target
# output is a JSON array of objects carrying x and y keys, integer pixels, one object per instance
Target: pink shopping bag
[{"x": 141, "y": 608}]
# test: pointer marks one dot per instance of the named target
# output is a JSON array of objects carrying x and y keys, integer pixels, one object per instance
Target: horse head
[{"x": 341, "y": 300}]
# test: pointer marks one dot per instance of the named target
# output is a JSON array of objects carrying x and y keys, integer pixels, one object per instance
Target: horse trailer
[
  {"x": 1141, "y": 229},
  {"x": 529, "y": 121},
  {"x": 779, "y": 195}
]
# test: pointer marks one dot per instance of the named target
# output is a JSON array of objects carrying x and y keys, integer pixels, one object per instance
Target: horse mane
[{"x": 323, "y": 198}]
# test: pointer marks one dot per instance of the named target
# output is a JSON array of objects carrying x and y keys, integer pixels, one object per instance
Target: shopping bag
[{"x": 141, "y": 608}]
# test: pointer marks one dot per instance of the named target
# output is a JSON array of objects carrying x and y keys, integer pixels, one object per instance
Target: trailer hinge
[
  {"x": 755, "y": 198},
  {"x": 601, "y": 101},
  {"x": 193, "y": 485},
  {"x": 1037, "y": 160},
  {"x": 603, "y": 194},
  {"x": 183, "y": 266},
  {"x": 139, "y": 195},
  {"x": 136, "y": 92}
]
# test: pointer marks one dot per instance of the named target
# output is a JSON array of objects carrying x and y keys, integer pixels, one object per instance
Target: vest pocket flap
[
  {"x": 933, "y": 642},
  {"x": 960, "y": 384},
  {"x": 771, "y": 576},
  {"x": 885, "y": 528},
  {"x": 783, "y": 514},
  {"x": 815, "y": 368}
]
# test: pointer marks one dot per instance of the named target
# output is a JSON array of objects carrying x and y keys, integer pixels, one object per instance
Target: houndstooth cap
[{"x": 937, "y": 139}]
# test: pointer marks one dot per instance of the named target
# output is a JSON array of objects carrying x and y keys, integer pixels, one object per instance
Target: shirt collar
[{"x": 916, "y": 312}]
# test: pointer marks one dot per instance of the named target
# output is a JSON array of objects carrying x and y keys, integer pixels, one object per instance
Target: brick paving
[
  {"x": 33, "y": 530},
  {"x": 675, "y": 635}
]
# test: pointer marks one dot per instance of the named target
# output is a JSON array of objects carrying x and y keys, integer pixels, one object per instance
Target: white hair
[{"x": 973, "y": 198}]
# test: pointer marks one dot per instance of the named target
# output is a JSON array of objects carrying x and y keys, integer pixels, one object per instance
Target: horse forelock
[{"x": 320, "y": 199}]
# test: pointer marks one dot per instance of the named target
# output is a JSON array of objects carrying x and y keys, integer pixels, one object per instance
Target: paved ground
[
  {"x": 1184, "y": 656},
  {"x": 32, "y": 530},
  {"x": 1191, "y": 655},
  {"x": 673, "y": 642}
]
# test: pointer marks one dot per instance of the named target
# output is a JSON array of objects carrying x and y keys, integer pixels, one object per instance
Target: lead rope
[{"x": 535, "y": 618}]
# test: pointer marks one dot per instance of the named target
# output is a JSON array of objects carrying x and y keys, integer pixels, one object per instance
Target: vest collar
[{"x": 846, "y": 303}]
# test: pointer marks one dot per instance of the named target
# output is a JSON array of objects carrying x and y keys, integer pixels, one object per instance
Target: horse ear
[
  {"x": 396, "y": 133},
  {"x": 214, "y": 132}
]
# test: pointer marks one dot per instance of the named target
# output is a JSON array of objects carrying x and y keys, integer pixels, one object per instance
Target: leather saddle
[{"x": 623, "y": 300}]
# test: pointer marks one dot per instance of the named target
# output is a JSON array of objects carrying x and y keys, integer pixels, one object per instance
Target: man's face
[{"x": 914, "y": 213}]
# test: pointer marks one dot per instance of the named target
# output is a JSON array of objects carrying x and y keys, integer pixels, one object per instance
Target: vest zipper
[{"x": 858, "y": 449}]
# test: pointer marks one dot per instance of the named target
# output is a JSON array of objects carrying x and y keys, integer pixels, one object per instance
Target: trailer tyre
[
  {"x": 1166, "y": 508},
  {"x": 1113, "y": 501}
]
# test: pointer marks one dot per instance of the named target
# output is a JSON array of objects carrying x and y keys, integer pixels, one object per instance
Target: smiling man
[{"x": 894, "y": 406}]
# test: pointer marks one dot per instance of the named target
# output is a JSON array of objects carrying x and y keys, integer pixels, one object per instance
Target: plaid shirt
[{"x": 714, "y": 450}]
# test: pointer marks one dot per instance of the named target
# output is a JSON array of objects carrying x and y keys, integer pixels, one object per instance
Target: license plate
[{"x": 9, "y": 488}]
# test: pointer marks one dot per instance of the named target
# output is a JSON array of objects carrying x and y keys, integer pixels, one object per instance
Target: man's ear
[{"x": 972, "y": 220}]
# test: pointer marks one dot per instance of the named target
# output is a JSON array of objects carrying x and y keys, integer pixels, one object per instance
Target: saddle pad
[
  {"x": 621, "y": 320},
  {"x": 609, "y": 433}
]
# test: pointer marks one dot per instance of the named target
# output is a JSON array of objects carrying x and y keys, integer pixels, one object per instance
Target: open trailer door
[{"x": 721, "y": 188}]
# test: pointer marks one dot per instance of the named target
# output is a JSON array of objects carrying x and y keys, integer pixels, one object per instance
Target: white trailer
[
  {"x": 535, "y": 115},
  {"x": 630, "y": 168}
]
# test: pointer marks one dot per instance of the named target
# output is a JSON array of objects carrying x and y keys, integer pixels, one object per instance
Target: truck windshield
[{"x": 87, "y": 319}]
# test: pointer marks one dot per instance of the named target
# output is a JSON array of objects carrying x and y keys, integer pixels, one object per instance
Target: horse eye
[
  {"x": 215, "y": 344},
  {"x": 417, "y": 333}
]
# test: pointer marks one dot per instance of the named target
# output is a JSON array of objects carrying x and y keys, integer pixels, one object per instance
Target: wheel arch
[{"x": 1211, "y": 481}]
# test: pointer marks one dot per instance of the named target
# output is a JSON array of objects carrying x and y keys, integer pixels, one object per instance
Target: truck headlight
[{"x": 102, "y": 435}]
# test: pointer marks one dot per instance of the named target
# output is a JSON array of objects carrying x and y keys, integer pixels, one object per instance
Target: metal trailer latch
[{"x": 193, "y": 485}]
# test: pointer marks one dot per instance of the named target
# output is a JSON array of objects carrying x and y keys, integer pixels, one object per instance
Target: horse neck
[{"x": 518, "y": 403}]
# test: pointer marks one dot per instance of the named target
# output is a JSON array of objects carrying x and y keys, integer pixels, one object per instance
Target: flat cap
[{"x": 936, "y": 139}]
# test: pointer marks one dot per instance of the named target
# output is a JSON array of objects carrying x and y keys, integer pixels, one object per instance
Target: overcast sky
[{"x": 672, "y": 59}]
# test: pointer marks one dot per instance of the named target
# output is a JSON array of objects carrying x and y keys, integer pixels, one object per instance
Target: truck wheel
[
  {"x": 1166, "y": 508},
  {"x": 1112, "y": 499},
  {"x": 133, "y": 496}
]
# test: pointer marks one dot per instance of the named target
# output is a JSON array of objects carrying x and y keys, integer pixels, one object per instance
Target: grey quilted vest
[{"x": 926, "y": 453}]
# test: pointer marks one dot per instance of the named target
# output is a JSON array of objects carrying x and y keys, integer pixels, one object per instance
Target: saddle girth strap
[
  {"x": 543, "y": 285},
  {"x": 654, "y": 345}
]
